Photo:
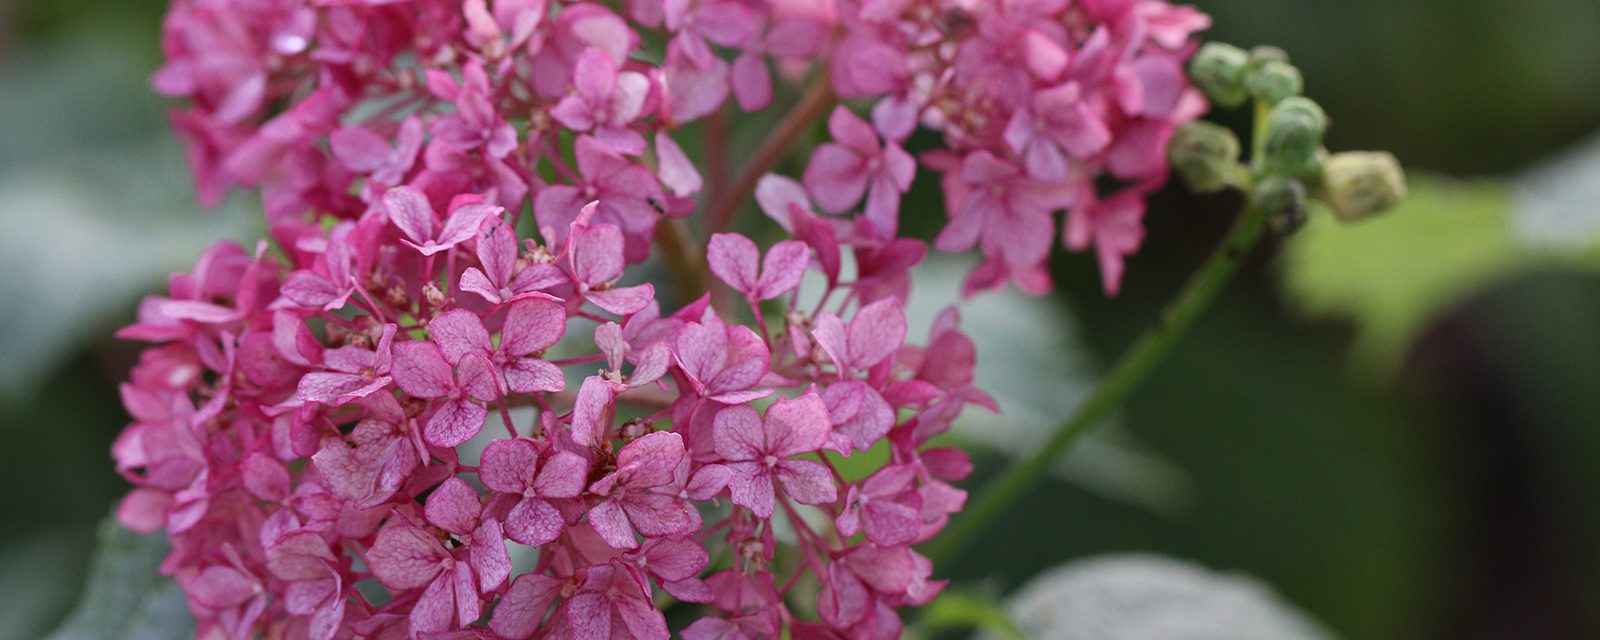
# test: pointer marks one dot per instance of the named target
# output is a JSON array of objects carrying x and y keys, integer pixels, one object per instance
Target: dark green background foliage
[{"x": 1399, "y": 433}]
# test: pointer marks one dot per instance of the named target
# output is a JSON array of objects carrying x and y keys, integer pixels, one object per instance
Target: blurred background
[{"x": 1393, "y": 425}]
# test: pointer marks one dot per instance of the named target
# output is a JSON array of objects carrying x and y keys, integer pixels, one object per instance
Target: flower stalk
[{"x": 1124, "y": 378}]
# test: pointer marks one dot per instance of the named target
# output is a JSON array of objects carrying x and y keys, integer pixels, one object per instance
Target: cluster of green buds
[{"x": 1288, "y": 163}]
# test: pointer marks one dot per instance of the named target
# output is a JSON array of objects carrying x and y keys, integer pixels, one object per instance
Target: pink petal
[
  {"x": 454, "y": 422},
  {"x": 524, "y": 606},
  {"x": 676, "y": 171},
  {"x": 409, "y": 210},
  {"x": 609, "y": 520},
  {"x": 752, "y": 82},
  {"x": 657, "y": 515},
  {"x": 651, "y": 460},
  {"x": 454, "y": 507},
  {"x": 738, "y": 433},
  {"x": 508, "y": 465},
  {"x": 459, "y": 332},
  {"x": 750, "y": 484},
  {"x": 597, "y": 255},
  {"x": 735, "y": 260},
  {"x": 591, "y": 415},
  {"x": 435, "y": 610},
  {"x": 404, "y": 556},
  {"x": 836, "y": 177},
  {"x": 849, "y": 129},
  {"x": 563, "y": 476},
  {"x": 421, "y": 370},
  {"x": 782, "y": 269},
  {"x": 796, "y": 426},
  {"x": 532, "y": 324},
  {"x": 623, "y": 300},
  {"x": 490, "y": 560},
  {"x": 877, "y": 331},
  {"x": 497, "y": 251},
  {"x": 532, "y": 375},
  {"x": 464, "y": 223},
  {"x": 533, "y": 522}
]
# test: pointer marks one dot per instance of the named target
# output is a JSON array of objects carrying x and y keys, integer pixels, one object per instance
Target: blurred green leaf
[
  {"x": 1146, "y": 597},
  {"x": 39, "y": 577},
  {"x": 126, "y": 597},
  {"x": 1394, "y": 273},
  {"x": 960, "y": 610}
]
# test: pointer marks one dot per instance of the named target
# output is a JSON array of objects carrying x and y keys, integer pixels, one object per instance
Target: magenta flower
[
  {"x": 855, "y": 163},
  {"x": 621, "y": 189},
  {"x": 596, "y": 256},
  {"x": 373, "y": 464},
  {"x": 887, "y": 506},
  {"x": 500, "y": 279},
  {"x": 876, "y": 332},
  {"x": 513, "y": 467},
  {"x": 997, "y": 207},
  {"x": 605, "y": 102},
  {"x": 410, "y": 212},
  {"x": 758, "y": 453},
  {"x": 640, "y": 495},
  {"x": 315, "y": 581},
  {"x": 1114, "y": 227},
  {"x": 612, "y": 602},
  {"x": 456, "y": 507},
  {"x": 352, "y": 372},
  {"x": 737, "y": 261},
  {"x": 405, "y": 557},
  {"x": 723, "y": 362},
  {"x": 420, "y": 369},
  {"x": 533, "y": 323},
  {"x": 1056, "y": 129}
]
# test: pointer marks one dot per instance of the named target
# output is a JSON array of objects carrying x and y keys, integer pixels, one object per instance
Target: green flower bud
[
  {"x": 1266, "y": 52},
  {"x": 1205, "y": 155},
  {"x": 1218, "y": 70},
  {"x": 1294, "y": 137},
  {"x": 1361, "y": 184},
  {"x": 1273, "y": 81},
  {"x": 1284, "y": 202}
]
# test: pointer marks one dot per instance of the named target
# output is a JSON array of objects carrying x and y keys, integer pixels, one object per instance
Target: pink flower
[
  {"x": 736, "y": 261},
  {"x": 758, "y": 453},
  {"x": 409, "y": 210},
  {"x": 513, "y": 467},
  {"x": 1114, "y": 226},
  {"x": 533, "y": 323},
  {"x": 640, "y": 494},
  {"x": 855, "y": 164},
  {"x": 722, "y": 362},
  {"x": 420, "y": 370},
  {"x": 875, "y": 333},
  {"x": 500, "y": 280},
  {"x": 1056, "y": 126},
  {"x": 886, "y": 506},
  {"x": 405, "y": 557},
  {"x": 595, "y": 253},
  {"x": 605, "y": 102},
  {"x": 622, "y": 190},
  {"x": 354, "y": 372}
]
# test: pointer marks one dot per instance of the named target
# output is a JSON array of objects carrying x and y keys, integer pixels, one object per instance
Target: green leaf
[
  {"x": 126, "y": 597},
  {"x": 958, "y": 610},
  {"x": 1395, "y": 273},
  {"x": 1147, "y": 597}
]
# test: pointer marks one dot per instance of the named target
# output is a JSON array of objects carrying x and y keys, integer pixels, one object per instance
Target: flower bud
[
  {"x": 1294, "y": 137},
  {"x": 1274, "y": 81},
  {"x": 1218, "y": 70},
  {"x": 1361, "y": 184},
  {"x": 1283, "y": 200},
  {"x": 1205, "y": 155},
  {"x": 1267, "y": 53}
]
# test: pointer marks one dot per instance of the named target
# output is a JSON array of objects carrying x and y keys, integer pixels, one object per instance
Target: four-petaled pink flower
[
  {"x": 640, "y": 494},
  {"x": 533, "y": 323},
  {"x": 499, "y": 280},
  {"x": 757, "y": 451},
  {"x": 855, "y": 163},
  {"x": 737, "y": 261},
  {"x": 421, "y": 370},
  {"x": 513, "y": 467},
  {"x": 876, "y": 332},
  {"x": 596, "y": 256},
  {"x": 1057, "y": 128},
  {"x": 604, "y": 101},
  {"x": 410, "y": 211}
]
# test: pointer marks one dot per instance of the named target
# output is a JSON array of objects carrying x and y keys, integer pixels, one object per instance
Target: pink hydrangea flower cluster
[{"x": 455, "y": 192}]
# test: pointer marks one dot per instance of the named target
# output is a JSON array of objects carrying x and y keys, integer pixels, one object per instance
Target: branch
[{"x": 816, "y": 101}]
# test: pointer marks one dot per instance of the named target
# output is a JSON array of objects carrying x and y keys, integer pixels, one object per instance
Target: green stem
[{"x": 1131, "y": 370}]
